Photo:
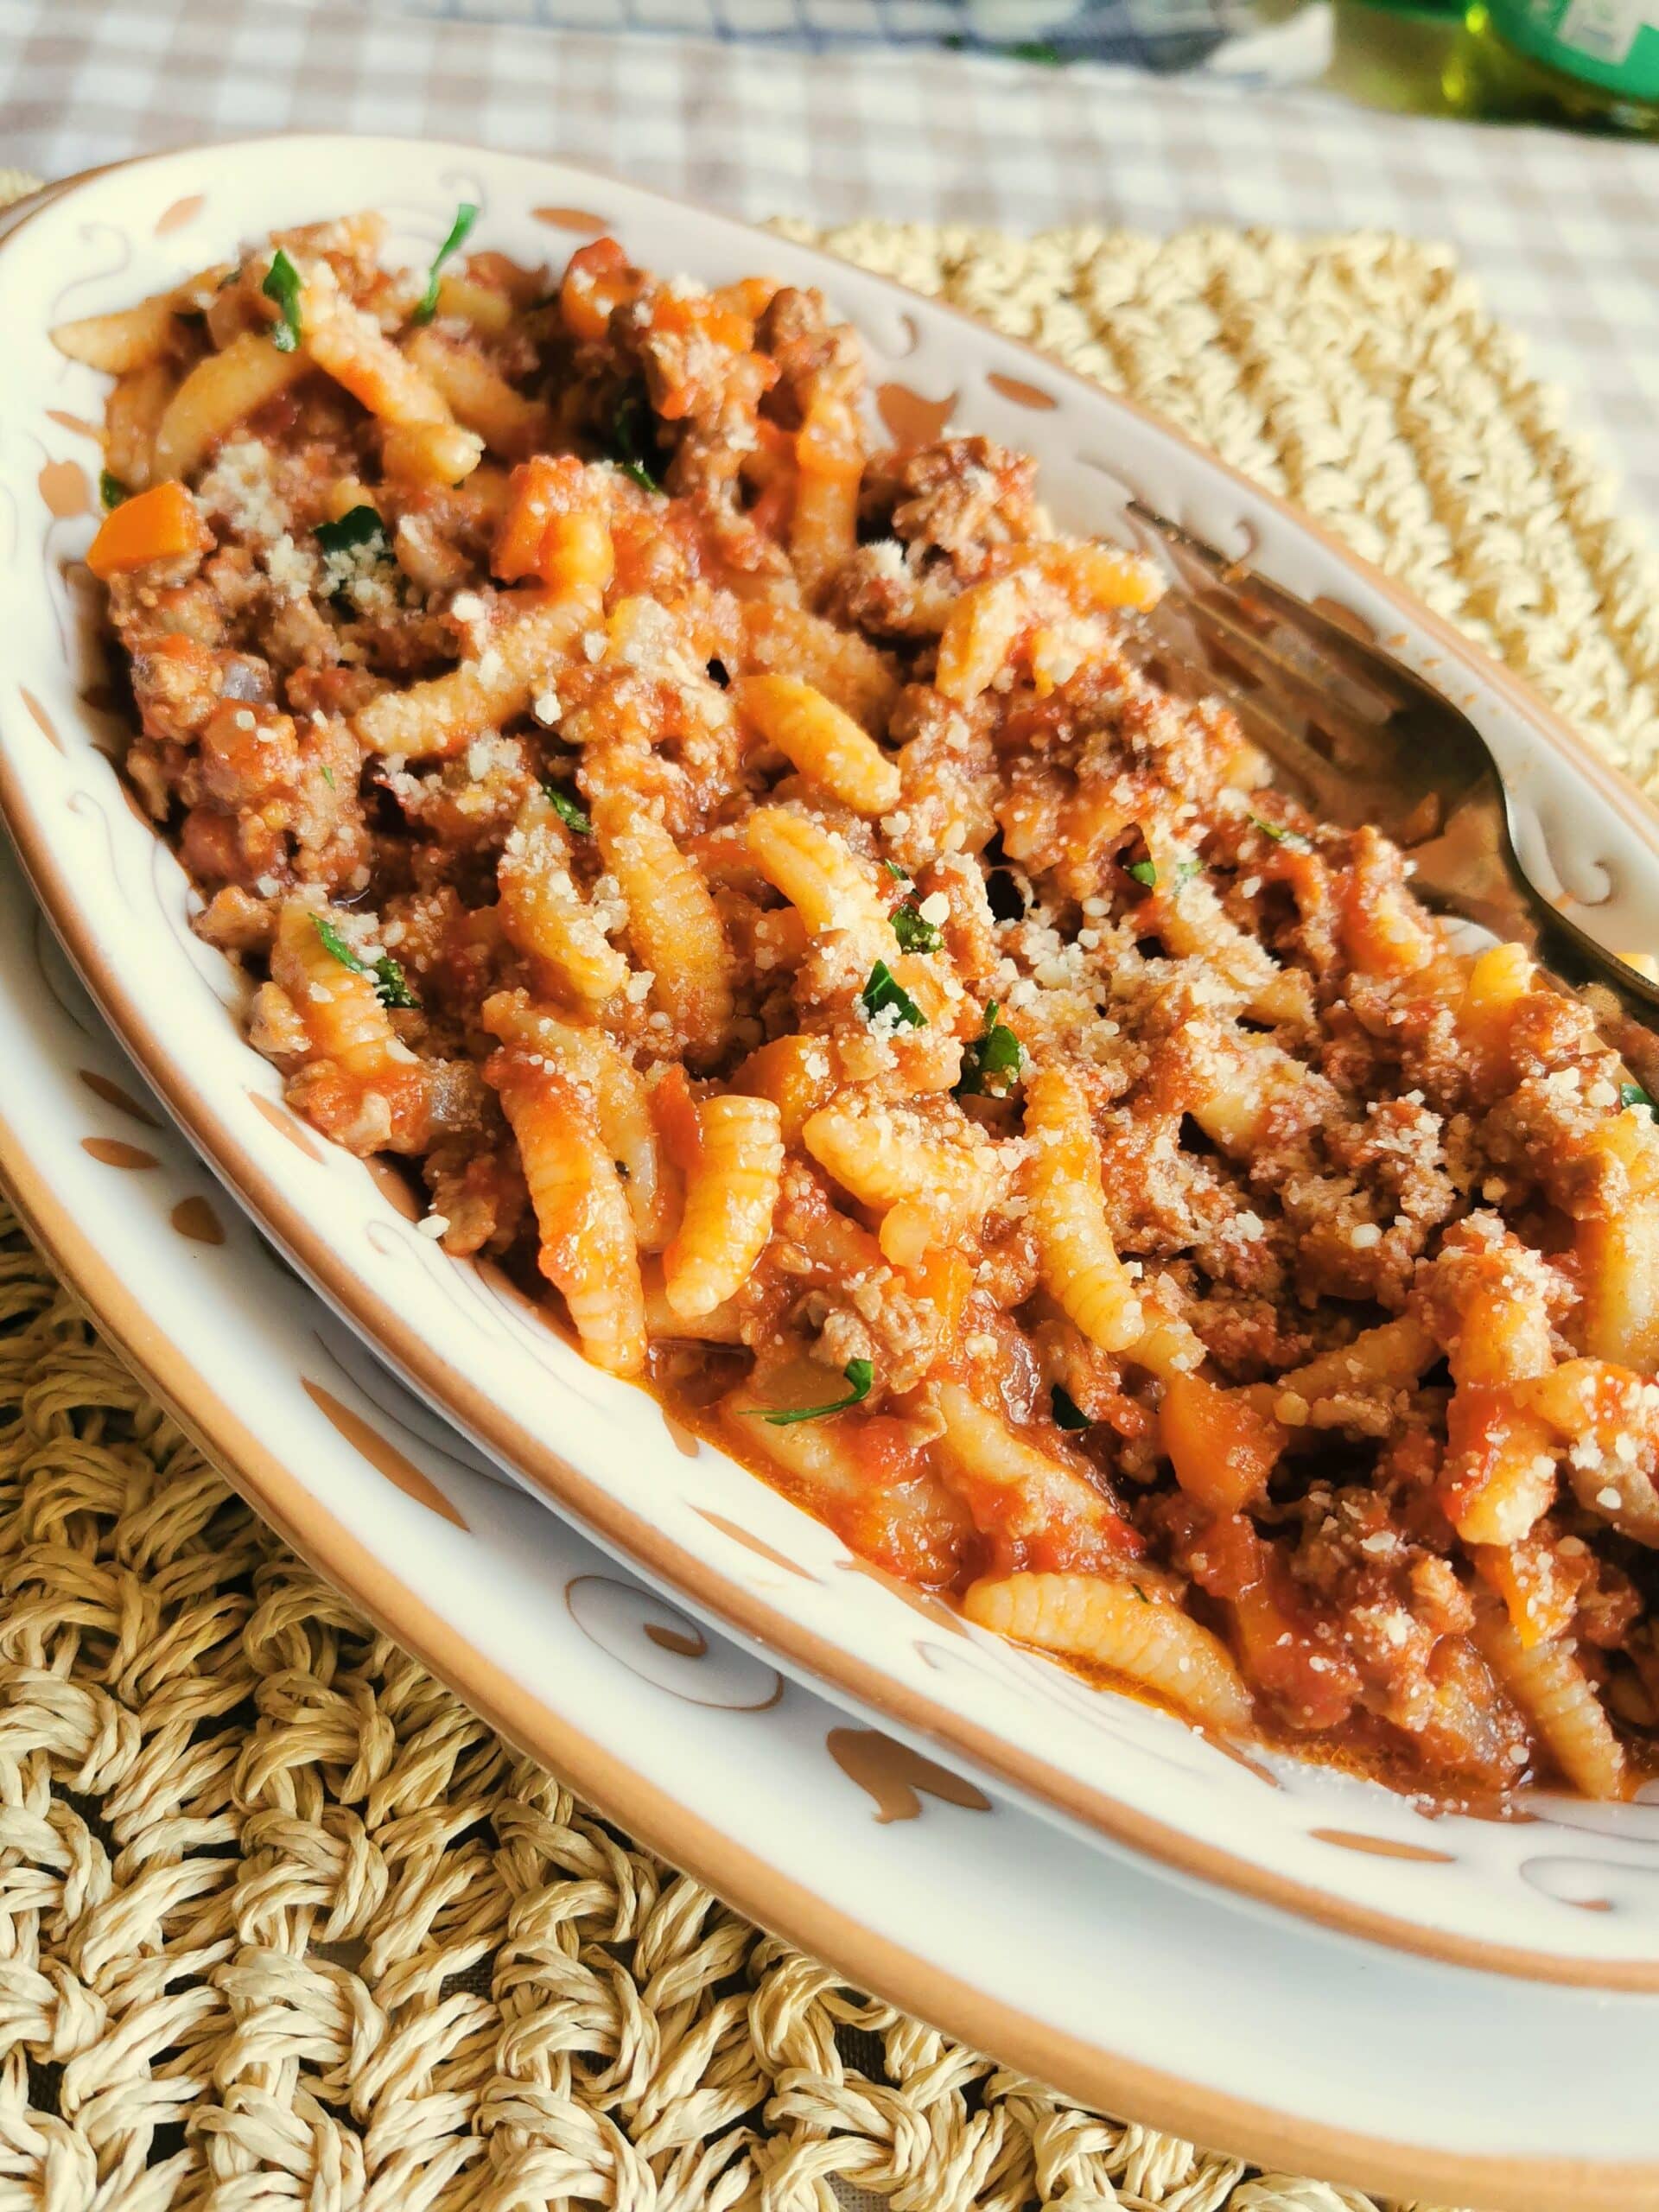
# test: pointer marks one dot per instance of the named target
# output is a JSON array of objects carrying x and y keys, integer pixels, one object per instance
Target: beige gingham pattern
[{"x": 1562, "y": 233}]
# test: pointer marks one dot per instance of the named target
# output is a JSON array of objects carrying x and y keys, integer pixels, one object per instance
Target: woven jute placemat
[{"x": 281, "y": 1922}]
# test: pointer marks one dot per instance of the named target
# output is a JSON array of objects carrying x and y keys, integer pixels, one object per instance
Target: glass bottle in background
[
  {"x": 1393, "y": 53},
  {"x": 1593, "y": 63}
]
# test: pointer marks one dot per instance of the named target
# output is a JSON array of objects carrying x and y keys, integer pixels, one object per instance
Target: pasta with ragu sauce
[{"x": 758, "y": 882}]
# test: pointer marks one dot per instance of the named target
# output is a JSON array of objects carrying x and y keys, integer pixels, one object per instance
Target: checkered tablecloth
[{"x": 1562, "y": 232}]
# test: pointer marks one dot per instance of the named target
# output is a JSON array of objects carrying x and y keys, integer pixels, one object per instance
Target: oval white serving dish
[
  {"x": 1570, "y": 1894},
  {"x": 1086, "y": 1971}
]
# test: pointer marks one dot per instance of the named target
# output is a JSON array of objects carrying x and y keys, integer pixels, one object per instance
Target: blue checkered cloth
[{"x": 1162, "y": 35}]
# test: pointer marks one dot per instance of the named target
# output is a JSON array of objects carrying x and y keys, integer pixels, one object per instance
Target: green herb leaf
[
  {"x": 282, "y": 285},
  {"x": 1185, "y": 870},
  {"x": 884, "y": 991},
  {"x": 466, "y": 216},
  {"x": 111, "y": 490},
  {"x": 630, "y": 448},
  {"x": 861, "y": 1375},
  {"x": 358, "y": 526},
  {"x": 1632, "y": 1093},
  {"x": 568, "y": 812},
  {"x": 391, "y": 985},
  {"x": 913, "y": 931},
  {"x": 898, "y": 875},
  {"x": 327, "y": 775},
  {"x": 1139, "y": 1593},
  {"x": 1144, "y": 872},
  {"x": 1068, "y": 1414},
  {"x": 333, "y": 943},
  {"x": 1041, "y": 50},
  {"x": 1293, "y": 838},
  {"x": 993, "y": 1061}
]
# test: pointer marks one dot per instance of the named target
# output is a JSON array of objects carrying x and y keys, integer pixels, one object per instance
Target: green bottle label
[{"x": 1610, "y": 43}]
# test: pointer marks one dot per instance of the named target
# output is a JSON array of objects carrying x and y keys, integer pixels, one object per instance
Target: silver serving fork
[{"x": 1360, "y": 738}]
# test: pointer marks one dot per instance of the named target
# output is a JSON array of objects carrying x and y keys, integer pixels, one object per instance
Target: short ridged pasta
[
  {"x": 1192, "y": 921},
  {"x": 932, "y": 1188},
  {"x": 818, "y": 873},
  {"x": 1079, "y": 1261},
  {"x": 1619, "y": 1249},
  {"x": 829, "y": 462},
  {"x": 121, "y": 342},
  {"x": 478, "y": 395},
  {"x": 347, "y": 342},
  {"x": 826, "y": 745},
  {"x": 340, "y": 1007},
  {"x": 1020, "y": 1493},
  {"x": 437, "y": 717},
  {"x": 360, "y": 1082},
  {"x": 430, "y": 453},
  {"x": 1117, "y": 1624},
  {"x": 1238, "y": 1083},
  {"x": 545, "y": 915},
  {"x": 730, "y": 1197},
  {"x": 621, "y": 1103},
  {"x": 222, "y": 390},
  {"x": 588, "y": 1250},
  {"x": 979, "y": 635},
  {"x": 674, "y": 924},
  {"x": 1552, "y": 1690}
]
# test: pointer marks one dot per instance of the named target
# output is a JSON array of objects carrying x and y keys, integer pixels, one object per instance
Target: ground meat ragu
[{"x": 756, "y": 880}]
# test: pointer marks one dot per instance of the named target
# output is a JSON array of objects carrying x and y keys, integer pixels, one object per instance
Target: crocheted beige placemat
[{"x": 281, "y": 1924}]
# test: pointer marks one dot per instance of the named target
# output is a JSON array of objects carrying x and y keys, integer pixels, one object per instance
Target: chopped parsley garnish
[
  {"x": 1144, "y": 872},
  {"x": 861, "y": 1376},
  {"x": 898, "y": 875},
  {"x": 282, "y": 285},
  {"x": 991, "y": 1061},
  {"x": 391, "y": 984},
  {"x": 914, "y": 932},
  {"x": 1042, "y": 51},
  {"x": 569, "y": 812},
  {"x": 466, "y": 216},
  {"x": 358, "y": 527},
  {"x": 1139, "y": 1593},
  {"x": 629, "y": 449},
  {"x": 884, "y": 994},
  {"x": 1068, "y": 1414},
  {"x": 327, "y": 775},
  {"x": 1293, "y": 838},
  {"x": 111, "y": 490},
  {"x": 1632, "y": 1093}
]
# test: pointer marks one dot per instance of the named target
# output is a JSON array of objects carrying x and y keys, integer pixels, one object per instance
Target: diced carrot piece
[
  {"x": 159, "y": 525},
  {"x": 795, "y": 1073},
  {"x": 597, "y": 280},
  {"x": 945, "y": 1280},
  {"x": 537, "y": 490},
  {"x": 1222, "y": 1447}
]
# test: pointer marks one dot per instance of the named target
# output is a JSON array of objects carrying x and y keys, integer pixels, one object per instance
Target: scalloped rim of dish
[{"x": 459, "y": 1397}]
